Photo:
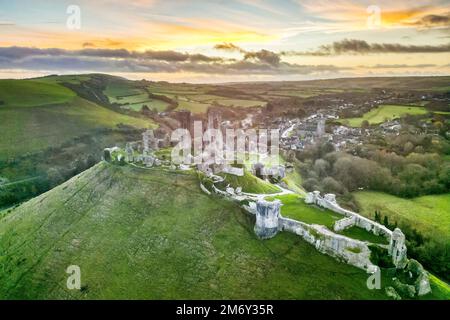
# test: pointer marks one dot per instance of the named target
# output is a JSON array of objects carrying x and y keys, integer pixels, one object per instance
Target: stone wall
[
  {"x": 329, "y": 202},
  {"x": 353, "y": 252},
  {"x": 344, "y": 224}
]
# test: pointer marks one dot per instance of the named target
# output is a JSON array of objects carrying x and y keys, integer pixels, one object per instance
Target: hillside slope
[
  {"x": 36, "y": 115},
  {"x": 153, "y": 234}
]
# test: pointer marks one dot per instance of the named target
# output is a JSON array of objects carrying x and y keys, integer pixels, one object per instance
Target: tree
[
  {"x": 386, "y": 221},
  {"x": 321, "y": 167},
  {"x": 331, "y": 186},
  {"x": 377, "y": 216},
  {"x": 408, "y": 147}
]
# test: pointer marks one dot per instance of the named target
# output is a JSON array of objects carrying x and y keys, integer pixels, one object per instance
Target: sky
[{"x": 225, "y": 40}]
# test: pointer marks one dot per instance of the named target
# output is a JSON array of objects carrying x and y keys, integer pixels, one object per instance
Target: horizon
[
  {"x": 232, "y": 82},
  {"x": 213, "y": 42}
]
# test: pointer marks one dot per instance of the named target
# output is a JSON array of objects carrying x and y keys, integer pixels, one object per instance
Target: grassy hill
[
  {"x": 139, "y": 233},
  {"x": 248, "y": 182},
  {"x": 38, "y": 114},
  {"x": 27, "y": 93}
]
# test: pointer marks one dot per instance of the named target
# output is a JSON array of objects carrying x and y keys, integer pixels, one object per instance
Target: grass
[
  {"x": 249, "y": 183},
  {"x": 363, "y": 235},
  {"x": 27, "y": 93},
  {"x": 196, "y": 99},
  {"x": 384, "y": 113},
  {"x": 293, "y": 180},
  {"x": 294, "y": 207},
  {"x": 130, "y": 97},
  {"x": 152, "y": 234},
  {"x": 36, "y": 128},
  {"x": 193, "y": 106},
  {"x": 428, "y": 214},
  {"x": 241, "y": 103},
  {"x": 152, "y": 104}
]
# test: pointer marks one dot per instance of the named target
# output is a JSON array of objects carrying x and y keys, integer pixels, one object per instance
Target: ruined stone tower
[
  {"x": 267, "y": 215},
  {"x": 397, "y": 249},
  {"x": 320, "y": 131}
]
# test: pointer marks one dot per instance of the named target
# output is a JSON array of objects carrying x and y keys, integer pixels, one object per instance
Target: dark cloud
[
  {"x": 169, "y": 56},
  {"x": 264, "y": 56},
  {"x": 352, "y": 46},
  {"x": 433, "y": 21},
  {"x": 262, "y": 62},
  {"x": 228, "y": 46}
]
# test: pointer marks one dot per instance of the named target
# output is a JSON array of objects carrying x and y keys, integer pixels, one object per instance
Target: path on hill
[{"x": 20, "y": 181}]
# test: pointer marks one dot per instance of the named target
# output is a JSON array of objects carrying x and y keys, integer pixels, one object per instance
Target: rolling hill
[{"x": 36, "y": 115}]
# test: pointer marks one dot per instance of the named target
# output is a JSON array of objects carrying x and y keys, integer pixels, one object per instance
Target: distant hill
[{"x": 153, "y": 234}]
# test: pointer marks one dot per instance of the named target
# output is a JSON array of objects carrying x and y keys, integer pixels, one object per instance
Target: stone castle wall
[
  {"x": 329, "y": 202},
  {"x": 353, "y": 252}
]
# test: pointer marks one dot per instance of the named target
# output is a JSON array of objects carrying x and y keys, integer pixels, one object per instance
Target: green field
[
  {"x": 384, "y": 113},
  {"x": 132, "y": 97},
  {"x": 428, "y": 214},
  {"x": 152, "y": 234},
  {"x": 27, "y": 93},
  {"x": 48, "y": 115},
  {"x": 197, "y": 99}
]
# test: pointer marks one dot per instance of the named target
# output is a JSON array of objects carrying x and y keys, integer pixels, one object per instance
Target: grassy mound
[
  {"x": 139, "y": 233},
  {"x": 248, "y": 182}
]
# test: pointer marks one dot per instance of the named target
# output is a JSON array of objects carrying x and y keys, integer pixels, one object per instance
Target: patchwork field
[
  {"x": 197, "y": 99},
  {"x": 131, "y": 97}
]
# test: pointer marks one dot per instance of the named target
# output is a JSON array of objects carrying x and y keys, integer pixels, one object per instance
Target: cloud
[
  {"x": 399, "y": 66},
  {"x": 353, "y": 46},
  {"x": 433, "y": 21},
  {"x": 88, "y": 44},
  {"x": 263, "y": 55},
  {"x": 262, "y": 62},
  {"x": 228, "y": 46}
]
